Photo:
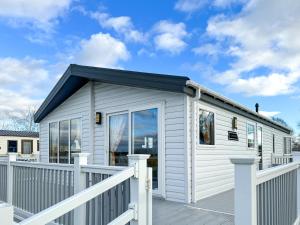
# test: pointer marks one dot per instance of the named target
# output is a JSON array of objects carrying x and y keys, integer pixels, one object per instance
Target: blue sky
[{"x": 248, "y": 51}]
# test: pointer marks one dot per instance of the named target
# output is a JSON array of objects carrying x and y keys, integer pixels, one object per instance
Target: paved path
[{"x": 216, "y": 210}]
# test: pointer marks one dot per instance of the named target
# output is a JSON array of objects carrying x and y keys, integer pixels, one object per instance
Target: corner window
[
  {"x": 27, "y": 146},
  {"x": 250, "y": 135},
  {"x": 12, "y": 146},
  {"x": 64, "y": 139},
  {"x": 53, "y": 142},
  {"x": 206, "y": 127},
  {"x": 287, "y": 145}
]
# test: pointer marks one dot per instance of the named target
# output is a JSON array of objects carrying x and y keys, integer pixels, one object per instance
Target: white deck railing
[
  {"x": 269, "y": 197},
  {"x": 281, "y": 159},
  {"x": 103, "y": 195}
]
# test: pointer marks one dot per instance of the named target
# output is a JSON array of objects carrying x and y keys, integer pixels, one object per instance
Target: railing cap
[
  {"x": 244, "y": 160},
  {"x": 138, "y": 156},
  {"x": 81, "y": 154}
]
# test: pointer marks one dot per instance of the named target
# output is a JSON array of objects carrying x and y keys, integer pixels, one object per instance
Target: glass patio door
[
  {"x": 144, "y": 126},
  {"x": 135, "y": 132}
]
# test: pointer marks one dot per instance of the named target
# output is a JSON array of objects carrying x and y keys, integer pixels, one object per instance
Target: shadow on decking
[{"x": 215, "y": 210}]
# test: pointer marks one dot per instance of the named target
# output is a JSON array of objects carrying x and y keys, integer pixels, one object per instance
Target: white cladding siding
[
  {"x": 76, "y": 106},
  {"x": 214, "y": 172},
  {"x": 113, "y": 98}
]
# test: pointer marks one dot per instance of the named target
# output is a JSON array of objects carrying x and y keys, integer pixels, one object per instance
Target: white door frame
[{"x": 161, "y": 138}]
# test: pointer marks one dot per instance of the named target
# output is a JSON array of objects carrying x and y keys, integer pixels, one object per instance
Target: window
[
  {"x": 12, "y": 146},
  {"x": 53, "y": 142},
  {"x": 206, "y": 128},
  {"x": 38, "y": 145},
  {"x": 287, "y": 145},
  {"x": 250, "y": 135},
  {"x": 64, "y": 139},
  {"x": 118, "y": 140},
  {"x": 27, "y": 146},
  {"x": 274, "y": 143},
  {"x": 75, "y": 139}
]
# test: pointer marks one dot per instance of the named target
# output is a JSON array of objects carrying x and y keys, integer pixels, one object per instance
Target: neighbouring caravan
[{"x": 190, "y": 131}]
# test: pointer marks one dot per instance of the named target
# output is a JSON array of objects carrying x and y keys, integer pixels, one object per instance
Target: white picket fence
[
  {"x": 269, "y": 197},
  {"x": 78, "y": 194}
]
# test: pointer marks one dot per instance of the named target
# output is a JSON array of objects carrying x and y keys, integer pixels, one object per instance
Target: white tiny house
[{"x": 190, "y": 132}]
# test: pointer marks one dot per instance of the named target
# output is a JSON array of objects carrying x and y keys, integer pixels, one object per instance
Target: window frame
[
  {"x": 8, "y": 146},
  {"x": 284, "y": 145},
  {"x": 254, "y": 135},
  {"x": 273, "y": 143},
  {"x": 22, "y": 142},
  {"x": 69, "y": 136},
  {"x": 160, "y": 105},
  {"x": 211, "y": 110}
]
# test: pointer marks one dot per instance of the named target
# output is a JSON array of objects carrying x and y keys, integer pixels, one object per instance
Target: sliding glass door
[{"x": 135, "y": 132}]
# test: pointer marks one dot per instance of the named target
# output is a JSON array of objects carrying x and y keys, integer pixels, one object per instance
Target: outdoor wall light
[
  {"x": 234, "y": 123},
  {"x": 98, "y": 117}
]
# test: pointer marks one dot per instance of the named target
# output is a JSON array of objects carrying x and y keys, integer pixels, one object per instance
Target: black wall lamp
[
  {"x": 234, "y": 123},
  {"x": 98, "y": 117}
]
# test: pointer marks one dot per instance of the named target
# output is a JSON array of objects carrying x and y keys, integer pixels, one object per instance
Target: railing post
[
  {"x": 12, "y": 157},
  {"x": 6, "y": 214},
  {"x": 298, "y": 192},
  {"x": 245, "y": 191},
  {"x": 80, "y": 159},
  {"x": 139, "y": 185}
]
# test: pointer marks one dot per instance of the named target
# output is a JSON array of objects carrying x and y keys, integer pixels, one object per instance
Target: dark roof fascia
[
  {"x": 76, "y": 76},
  {"x": 232, "y": 108},
  {"x": 13, "y": 133}
]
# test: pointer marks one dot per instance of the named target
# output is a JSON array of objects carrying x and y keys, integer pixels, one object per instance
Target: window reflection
[
  {"x": 145, "y": 138},
  {"x": 64, "y": 141},
  {"x": 206, "y": 127},
  {"x": 75, "y": 138},
  {"x": 250, "y": 135},
  {"x": 53, "y": 142},
  {"x": 118, "y": 140}
]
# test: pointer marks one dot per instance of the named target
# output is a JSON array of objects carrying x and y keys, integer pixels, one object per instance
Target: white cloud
[
  {"x": 260, "y": 41},
  {"x": 269, "y": 114},
  {"x": 23, "y": 82},
  {"x": 101, "y": 50},
  {"x": 39, "y": 13},
  {"x": 122, "y": 25},
  {"x": 227, "y": 3},
  {"x": 170, "y": 36},
  {"x": 207, "y": 49},
  {"x": 189, "y": 6}
]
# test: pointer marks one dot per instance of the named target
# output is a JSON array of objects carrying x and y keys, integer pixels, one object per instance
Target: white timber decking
[{"x": 215, "y": 210}]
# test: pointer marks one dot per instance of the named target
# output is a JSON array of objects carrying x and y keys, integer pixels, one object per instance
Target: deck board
[{"x": 215, "y": 210}]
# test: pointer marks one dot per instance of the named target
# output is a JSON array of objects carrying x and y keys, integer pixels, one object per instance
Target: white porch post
[
  {"x": 80, "y": 159},
  {"x": 298, "y": 192},
  {"x": 12, "y": 157},
  {"x": 138, "y": 189},
  {"x": 6, "y": 214},
  {"x": 245, "y": 191}
]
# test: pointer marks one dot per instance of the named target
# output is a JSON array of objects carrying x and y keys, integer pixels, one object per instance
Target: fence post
[
  {"x": 12, "y": 157},
  {"x": 6, "y": 214},
  {"x": 245, "y": 191},
  {"x": 139, "y": 189},
  {"x": 298, "y": 192},
  {"x": 80, "y": 159}
]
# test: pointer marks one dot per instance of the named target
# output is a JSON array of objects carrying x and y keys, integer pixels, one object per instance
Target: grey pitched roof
[
  {"x": 76, "y": 76},
  {"x": 14, "y": 133}
]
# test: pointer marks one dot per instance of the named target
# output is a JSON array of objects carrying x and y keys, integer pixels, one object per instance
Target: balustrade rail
[
  {"x": 281, "y": 159},
  {"x": 269, "y": 197},
  {"x": 85, "y": 194}
]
